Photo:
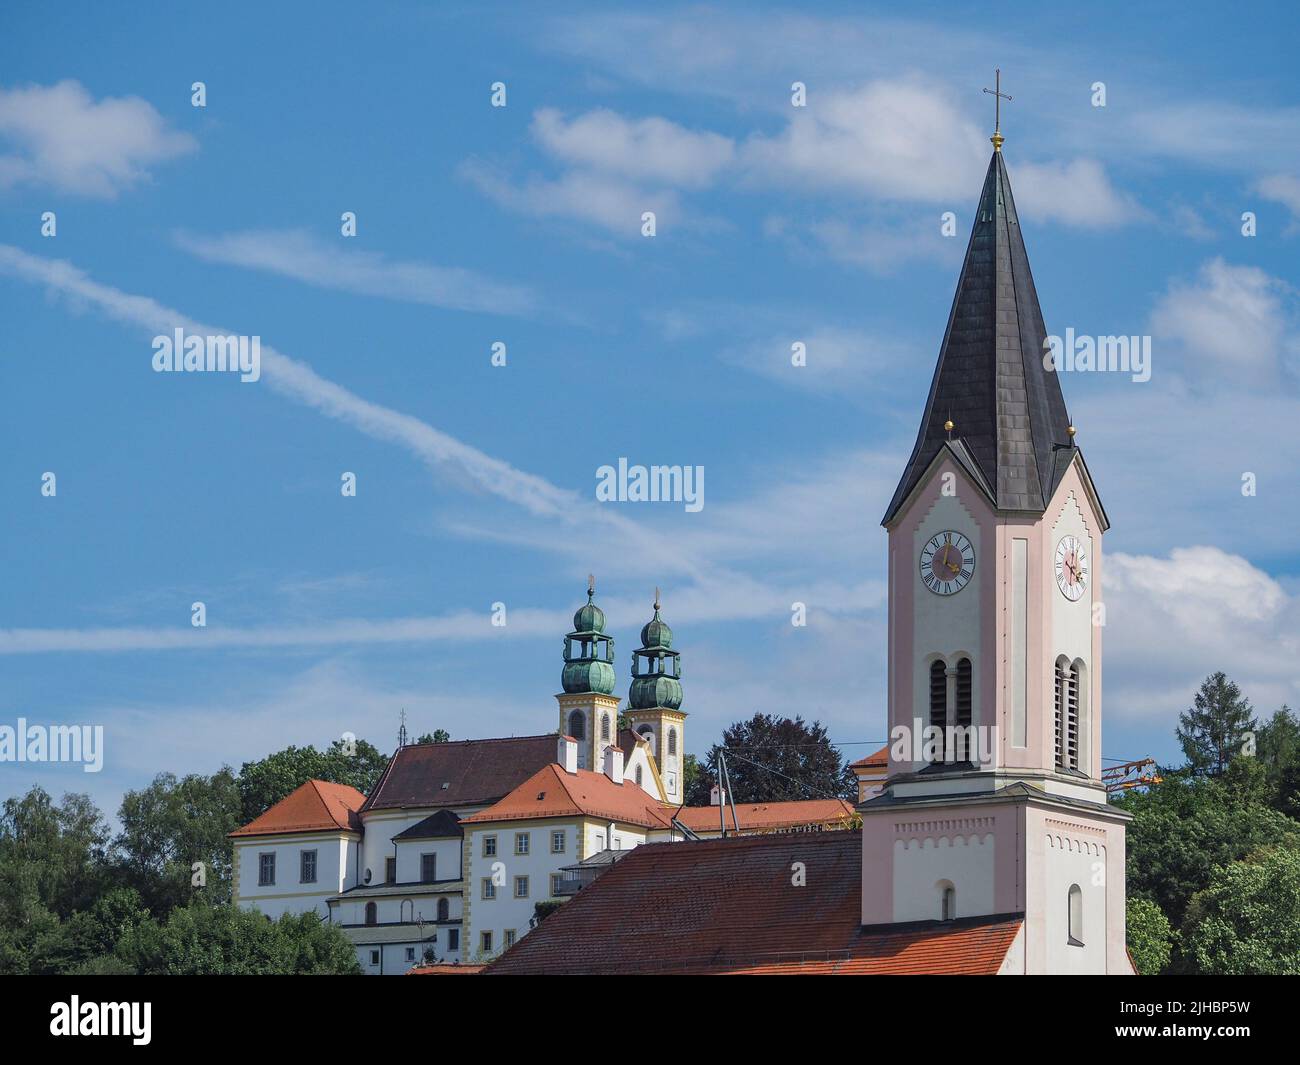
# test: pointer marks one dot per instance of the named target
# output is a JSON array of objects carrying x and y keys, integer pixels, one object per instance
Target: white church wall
[
  {"x": 922, "y": 867},
  {"x": 289, "y": 894},
  {"x": 410, "y": 859},
  {"x": 1068, "y": 862}
]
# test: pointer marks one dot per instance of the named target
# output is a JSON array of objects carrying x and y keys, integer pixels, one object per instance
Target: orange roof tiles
[
  {"x": 768, "y": 815},
  {"x": 877, "y": 760},
  {"x": 732, "y": 906},
  {"x": 551, "y": 792},
  {"x": 317, "y": 806},
  {"x": 445, "y": 970}
]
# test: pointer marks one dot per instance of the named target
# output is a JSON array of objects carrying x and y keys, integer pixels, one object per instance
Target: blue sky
[{"x": 522, "y": 225}]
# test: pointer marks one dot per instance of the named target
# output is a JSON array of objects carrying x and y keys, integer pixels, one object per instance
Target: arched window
[
  {"x": 947, "y": 902},
  {"x": 1067, "y": 714},
  {"x": 407, "y": 911},
  {"x": 444, "y": 909},
  {"x": 672, "y": 741},
  {"x": 965, "y": 707},
  {"x": 938, "y": 697},
  {"x": 1075, "y": 919},
  {"x": 577, "y": 725},
  {"x": 372, "y": 913},
  {"x": 604, "y": 726}
]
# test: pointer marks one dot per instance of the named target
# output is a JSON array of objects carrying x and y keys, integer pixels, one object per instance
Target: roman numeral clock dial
[
  {"x": 947, "y": 563},
  {"x": 1071, "y": 568}
]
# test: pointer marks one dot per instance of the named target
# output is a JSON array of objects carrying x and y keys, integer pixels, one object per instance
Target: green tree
[
  {"x": 1212, "y": 731},
  {"x": 265, "y": 782},
  {"x": 695, "y": 782},
  {"x": 440, "y": 735},
  {"x": 1247, "y": 921},
  {"x": 775, "y": 759},
  {"x": 172, "y": 824},
  {"x": 1150, "y": 939},
  {"x": 1278, "y": 751},
  {"x": 201, "y": 939}
]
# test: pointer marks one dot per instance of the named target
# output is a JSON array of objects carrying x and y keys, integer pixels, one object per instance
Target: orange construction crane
[{"x": 1140, "y": 774}]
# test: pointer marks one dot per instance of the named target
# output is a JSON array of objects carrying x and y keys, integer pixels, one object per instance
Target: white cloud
[
  {"x": 1076, "y": 193},
  {"x": 68, "y": 141},
  {"x": 836, "y": 360},
  {"x": 1173, "y": 620},
  {"x": 1232, "y": 326},
  {"x": 1283, "y": 189},
  {"x": 300, "y": 255},
  {"x": 651, "y": 149}
]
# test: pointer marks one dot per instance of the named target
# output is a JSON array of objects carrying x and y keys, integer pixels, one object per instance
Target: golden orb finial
[
  {"x": 947, "y": 426},
  {"x": 1070, "y": 430}
]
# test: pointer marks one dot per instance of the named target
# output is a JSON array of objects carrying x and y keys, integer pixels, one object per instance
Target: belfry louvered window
[
  {"x": 964, "y": 709},
  {"x": 938, "y": 697},
  {"x": 1072, "y": 718},
  {"x": 1058, "y": 733}
]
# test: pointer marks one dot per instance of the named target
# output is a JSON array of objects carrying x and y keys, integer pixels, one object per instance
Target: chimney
[
  {"x": 567, "y": 754},
  {"x": 614, "y": 763},
  {"x": 717, "y": 797}
]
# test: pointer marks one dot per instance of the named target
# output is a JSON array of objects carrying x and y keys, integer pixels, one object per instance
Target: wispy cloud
[
  {"x": 62, "y": 138},
  {"x": 302, "y": 256}
]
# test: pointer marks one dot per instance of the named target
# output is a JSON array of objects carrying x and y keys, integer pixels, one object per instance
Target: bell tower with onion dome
[
  {"x": 588, "y": 706},
  {"x": 654, "y": 702}
]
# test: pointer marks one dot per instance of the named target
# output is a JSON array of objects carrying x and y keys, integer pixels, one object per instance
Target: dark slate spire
[{"x": 1008, "y": 414}]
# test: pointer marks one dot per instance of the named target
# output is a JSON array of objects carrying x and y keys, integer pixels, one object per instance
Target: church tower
[
  {"x": 995, "y": 625},
  {"x": 588, "y": 706},
  {"x": 654, "y": 702}
]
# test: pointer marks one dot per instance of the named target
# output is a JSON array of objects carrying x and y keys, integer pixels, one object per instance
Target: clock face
[
  {"x": 947, "y": 563},
  {"x": 1071, "y": 568}
]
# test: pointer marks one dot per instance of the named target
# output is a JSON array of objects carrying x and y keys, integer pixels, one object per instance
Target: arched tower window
[
  {"x": 947, "y": 902},
  {"x": 1072, "y": 717},
  {"x": 672, "y": 741},
  {"x": 965, "y": 708},
  {"x": 938, "y": 695},
  {"x": 577, "y": 725},
  {"x": 1075, "y": 916},
  {"x": 604, "y": 726},
  {"x": 444, "y": 909},
  {"x": 372, "y": 913},
  {"x": 1058, "y": 730}
]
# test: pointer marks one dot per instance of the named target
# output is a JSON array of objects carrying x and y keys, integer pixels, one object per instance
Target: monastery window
[
  {"x": 523, "y": 842},
  {"x": 374, "y": 957},
  {"x": 428, "y": 868},
  {"x": 508, "y": 938},
  {"x": 390, "y": 870},
  {"x": 1075, "y": 916},
  {"x": 577, "y": 725},
  {"x": 410, "y": 954},
  {"x": 406, "y": 912},
  {"x": 485, "y": 942},
  {"x": 938, "y": 696},
  {"x": 307, "y": 867},
  {"x": 521, "y": 887},
  {"x": 453, "y": 939},
  {"x": 444, "y": 910},
  {"x": 489, "y": 846},
  {"x": 556, "y": 880},
  {"x": 489, "y": 888},
  {"x": 604, "y": 726},
  {"x": 557, "y": 841},
  {"x": 372, "y": 915},
  {"x": 266, "y": 870}
]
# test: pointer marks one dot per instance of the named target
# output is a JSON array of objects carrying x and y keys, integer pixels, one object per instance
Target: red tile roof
[
  {"x": 731, "y": 906},
  {"x": 769, "y": 815},
  {"x": 551, "y": 792},
  {"x": 317, "y": 806},
  {"x": 474, "y": 771},
  {"x": 877, "y": 760},
  {"x": 445, "y": 970}
]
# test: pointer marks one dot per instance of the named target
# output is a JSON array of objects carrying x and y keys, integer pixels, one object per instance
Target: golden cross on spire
[{"x": 998, "y": 96}]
